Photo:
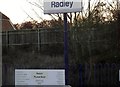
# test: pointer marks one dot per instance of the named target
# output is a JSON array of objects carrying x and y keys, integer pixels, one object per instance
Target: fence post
[
  {"x": 88, "y": 73},
  {"x": 4, "y": 74},
  {"x": 38, "y": 40},
  {"x": 0, "y": 49},
  {"x": 95, "y": 76},
  {"x": 7, "y": 38},
  {"x": 80, "y": 76},
  {"x": 114, "y": 74},
  {"x": 107, "y": 74}
]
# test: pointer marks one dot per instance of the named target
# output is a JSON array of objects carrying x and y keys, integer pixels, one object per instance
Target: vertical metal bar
[
  {"x": 0, "y": 49},
  {"x": 4, "y": 74},
  {"x": 66, "y": 48},
  {"x": 95, "y": 73},
  {"x": 38, "y": 40},
  {"x": 7, "y": 38},
  {"x": 80, "y": 76},
  {"x": 89, "y": 9}
]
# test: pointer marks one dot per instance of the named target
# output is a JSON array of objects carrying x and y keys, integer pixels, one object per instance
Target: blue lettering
[
  {"x": 61, "y": 4},
  {"x": 67, "y": 4},
  {"x": 52, "y": 4},
  {"x": 57, "y": 4}
]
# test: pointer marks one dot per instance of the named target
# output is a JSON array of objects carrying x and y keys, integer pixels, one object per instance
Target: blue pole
[{"x": 66, "y": 48}]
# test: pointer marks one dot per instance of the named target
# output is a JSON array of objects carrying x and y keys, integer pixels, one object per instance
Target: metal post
[
  {"x": 80, "y": 76},
  {"x": 7, "y": 39},
  {"x": 66, "y": 48},
  {"x": 38, "y": 40},
  {"x": 89, "y": 9},
  {"x": 0, "y": 49}
]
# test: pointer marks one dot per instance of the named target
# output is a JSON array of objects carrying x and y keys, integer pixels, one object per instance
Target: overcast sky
[
  {"x": 16, "y": 10},
  {"x": 13, "y": 9}
]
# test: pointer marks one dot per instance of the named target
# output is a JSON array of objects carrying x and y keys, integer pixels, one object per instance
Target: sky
[
  {"x": 13, "y": 9},
  {"x": 20, "y": 11}
]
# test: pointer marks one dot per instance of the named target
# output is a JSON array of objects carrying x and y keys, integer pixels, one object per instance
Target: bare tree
[{"x": 39, "y": 5}]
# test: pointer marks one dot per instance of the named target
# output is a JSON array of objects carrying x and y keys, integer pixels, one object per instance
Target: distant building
[{"x": 6, "y": 23}]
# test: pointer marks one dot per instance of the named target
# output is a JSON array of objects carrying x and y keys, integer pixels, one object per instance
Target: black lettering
[
  {"x": 39, "y": 73},
  {"x": 39, "y": 76}
]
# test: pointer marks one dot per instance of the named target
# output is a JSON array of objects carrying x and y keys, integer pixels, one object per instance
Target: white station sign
[
  {"x": 62, "y": 6},
  {"x": 119, "y": 75},
  {"x": 39, "y": 77}
]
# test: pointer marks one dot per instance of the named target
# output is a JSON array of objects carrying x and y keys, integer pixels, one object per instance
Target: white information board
[
  {"x": 39, "y": 77},
  {"x": 62, "y": 6},
  {"x": 119, "y": 75}
]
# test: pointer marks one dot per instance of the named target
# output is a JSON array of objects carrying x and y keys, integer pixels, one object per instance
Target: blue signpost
[
  {"x": 66, "y": 48},
  {"x": 63, "y": 6}
]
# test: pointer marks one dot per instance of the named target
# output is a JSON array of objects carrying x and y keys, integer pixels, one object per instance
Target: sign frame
[
  {"x": 39, "y": 77},
  {"x": 62, "y": 6}
]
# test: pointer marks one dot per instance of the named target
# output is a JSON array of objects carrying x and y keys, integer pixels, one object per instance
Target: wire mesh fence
[
  {"x": 85, "y": 45},
  {"x": 92, "y": 38}
]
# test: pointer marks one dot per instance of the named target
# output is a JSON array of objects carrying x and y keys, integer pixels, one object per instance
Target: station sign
[
  {"x": 39, "y": 77},
  {"x": 62, "y": 6}
]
